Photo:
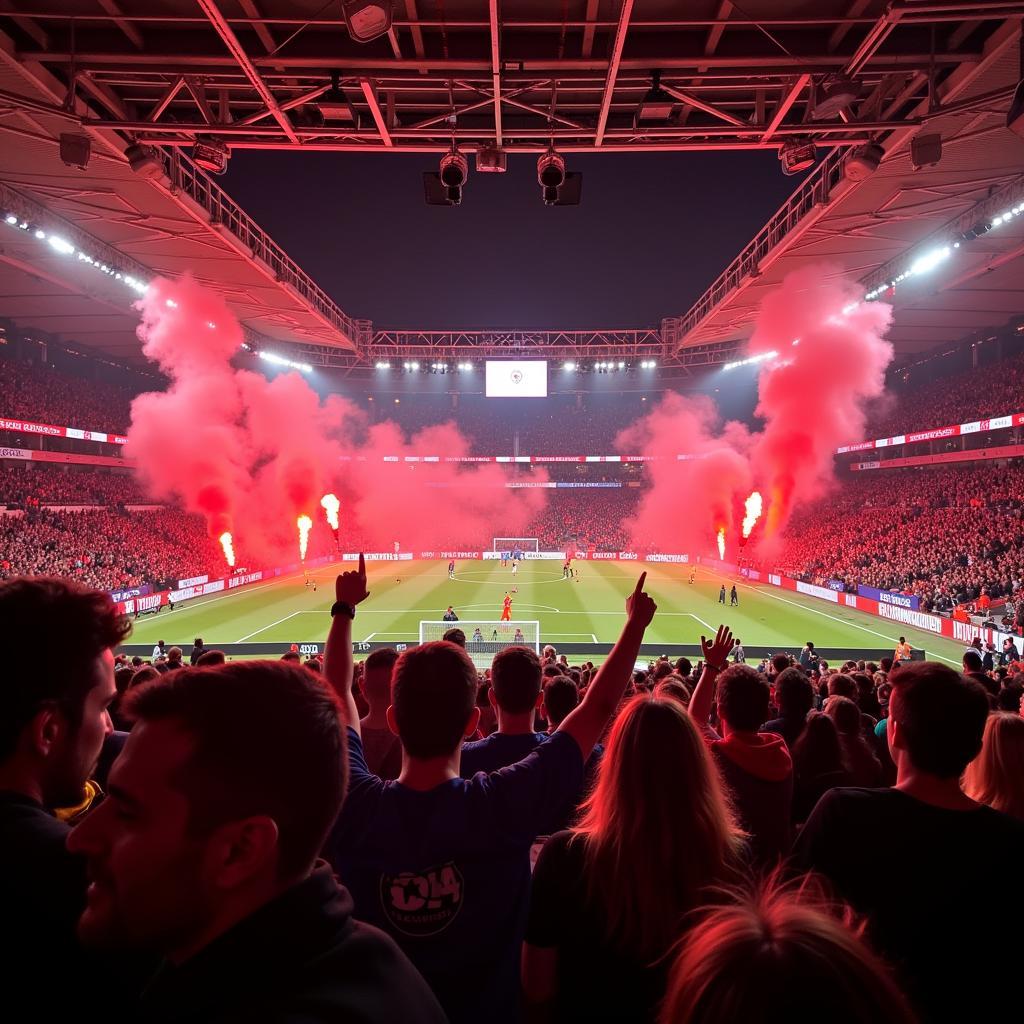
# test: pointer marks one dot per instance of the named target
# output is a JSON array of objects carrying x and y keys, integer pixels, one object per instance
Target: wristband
[
  {"x": 343, "y": 608},
  {"x": 714, "y": 668}
]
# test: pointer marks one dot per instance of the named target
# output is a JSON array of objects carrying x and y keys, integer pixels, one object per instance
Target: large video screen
[{"x": 517, "y": 378}]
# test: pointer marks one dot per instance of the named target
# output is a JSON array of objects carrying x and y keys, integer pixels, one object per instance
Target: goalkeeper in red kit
[{"x": 506, "y": 610}]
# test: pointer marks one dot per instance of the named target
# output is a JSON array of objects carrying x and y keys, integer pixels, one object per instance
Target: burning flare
[
  {"x": 721, "y": 543},
  {"x": 229, "y": 548},
  {"x": 330, "y": 505},
  {"x": 753, "y": 506},
  {"x": 305, "y": 524}
]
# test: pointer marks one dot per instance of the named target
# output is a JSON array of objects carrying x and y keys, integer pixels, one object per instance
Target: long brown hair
[
  {"x": 657, "y": 828},
  {"x": 996, "y": 776}
]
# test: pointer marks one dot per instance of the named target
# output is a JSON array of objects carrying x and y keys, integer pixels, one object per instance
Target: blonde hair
[
  {"x": 657, "y": 828},
  {"x": 779, "y": 953},
  {"x": 996, "y": 776}
]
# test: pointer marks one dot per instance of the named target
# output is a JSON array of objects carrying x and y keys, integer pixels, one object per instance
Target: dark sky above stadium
[{"x": 652, "y": 232}]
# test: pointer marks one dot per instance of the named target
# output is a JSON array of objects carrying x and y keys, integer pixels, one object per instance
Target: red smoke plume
[
  {"x": 253, "y": 454},
  {"x": 811, "y": 397}
]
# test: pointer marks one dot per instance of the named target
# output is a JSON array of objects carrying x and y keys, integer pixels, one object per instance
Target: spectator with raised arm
[
  {"x": 757, "y": 767},
  {"x": 441, "y": 862},
  {"x": 613, "y": 895}
]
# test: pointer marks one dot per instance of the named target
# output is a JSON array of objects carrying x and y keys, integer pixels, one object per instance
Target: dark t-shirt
[
  {"x": 923, "y": 876},
  {"x": 383, "y": 752},
  {"x": 42, "y": 895},
  {"x": 447, "y": 872},
  {"x": 497, "y": 751},
  {"x": 596, "y": 981}
]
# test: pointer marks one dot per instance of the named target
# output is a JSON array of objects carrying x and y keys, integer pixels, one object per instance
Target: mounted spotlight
[
  {"x": 367, "y": 19},
  {"x": 796, "y": 155},
  {"x": 334, "y": 104},
  {"x": 863, "y": 162},
  {"x": 211, "y": 154},
  {"x": 558, "y": 187},
  {"x": 75, "y": 150},
  {"x": 656, "y": 107},
  {"x": 444, "y": 188},
  {"x": 491, "y": 160},
  {"x": 144, "y": 161},
  {"x": 833, "y": 97}
]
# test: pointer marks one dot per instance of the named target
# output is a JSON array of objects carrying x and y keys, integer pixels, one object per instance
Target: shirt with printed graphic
[{"x": 446, "y": 872}]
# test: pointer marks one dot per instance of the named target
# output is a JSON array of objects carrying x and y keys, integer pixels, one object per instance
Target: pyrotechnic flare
[
  {"x": 753, "y": 506},
  {"x": 721, "y": 543},
  {"x": 330, "y": 505},
  {"x": 229, "y": 549},
  {"x": 305, "y": 524}
]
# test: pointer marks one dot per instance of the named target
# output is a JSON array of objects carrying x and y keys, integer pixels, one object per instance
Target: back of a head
[
  {"x": 972, "y": 660},
  {"x": 209, "y": 658},
  {"x": 780, "y": 662},
  {"x": 174, "y": 655},
  {"x": 794, "y": 692},
  {"x": 842, "y": 685},
  {"x": 455, "y": 636},
  {"x": 377, "y": 672},
  {"x": 675, "y": 688},
  {"x": 996, "y": 776},
  {"x": 846, "y": 715},
  {"x": 560, "y": 697},
  {"x": 817, "y": 750},
  {"x": 266, "y": 740},
  {"x": 684, "y": 667},
  {"x": 515, "y": 677},
  {"x": 941, "y": 716},
  {"x": 33, "y": 611},
  {"x": 779, "y": 955},
  {"x": 743, "y": 696},
  {"x": 657, "y": 826},
  {"x": 433, "y": 693}
]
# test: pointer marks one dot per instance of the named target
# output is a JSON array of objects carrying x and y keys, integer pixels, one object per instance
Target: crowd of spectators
[
  {"x": 994, "y": 390},
  {"x": 42, "y": 394},
  {"x": 43, "y": 484},
  {"x": 411, "y": 839},
  {"x": 947, "y": 535},
  {"x": 589, "y": 516}
]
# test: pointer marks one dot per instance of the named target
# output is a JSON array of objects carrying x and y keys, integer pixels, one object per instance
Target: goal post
[
  {"x": 485, "y": 637},
  {"x": 516, "y": 544}
]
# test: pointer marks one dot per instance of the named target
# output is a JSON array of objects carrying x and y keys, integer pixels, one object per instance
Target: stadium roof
[{"x": 525, "y": 76}]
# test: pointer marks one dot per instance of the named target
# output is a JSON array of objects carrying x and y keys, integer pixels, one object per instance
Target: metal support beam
[
  {"x": 496, "y": 66},
  {"x": 230, "y": 40},
  {"x": 687, "y": 98},
  {"x": 785, "y": 103},
  {"x": 370, "y": 92},
  {"x": 613, "y": 70},
  {"x": 126, "y": 27}
]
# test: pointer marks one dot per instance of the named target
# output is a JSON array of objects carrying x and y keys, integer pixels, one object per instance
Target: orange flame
[
  {"x": 721, "y": 543},
  {"x": 330, "y": 504},
  {"x": 229, "y": 549},
  {"x": 305, "y": 524},
  {"x": 754, "y": 506}
]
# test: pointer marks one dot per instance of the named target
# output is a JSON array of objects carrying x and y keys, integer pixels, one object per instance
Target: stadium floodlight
[
  {"x": 750, "y": 360},
  {"x": 930, "y": 260},
  {"x": 568, "y": 365},
  {"x": 11, "y": 218},
  {"x": 277, "y": 360},
  {"x": 144, "y": 161},
  {"x": 622, "y": 365},
  {"x": 61, "y": 245},
  {"x": 367, "y": 19},
  {"x": 414, "y": 365},
  {"x": 381, "y": 365}
]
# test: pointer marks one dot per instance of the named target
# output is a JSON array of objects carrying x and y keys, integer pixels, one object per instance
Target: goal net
[
  {"x": 511, "y": 544},
  {"x": 485, "y": 637}
]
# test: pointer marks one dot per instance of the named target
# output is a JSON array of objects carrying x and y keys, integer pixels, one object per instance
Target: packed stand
[
  {"x": 42, "y": 394},
  {"x": 44, "y": 484},
  {"x": 682, "y": 843},
  {"x": 948, "y": 535},
  {"x": 584, "y": 516},
  {"x": 995, "y": 390}
]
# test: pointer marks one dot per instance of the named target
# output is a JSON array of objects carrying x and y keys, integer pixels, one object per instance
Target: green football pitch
[{"x": 585, "y": 610}]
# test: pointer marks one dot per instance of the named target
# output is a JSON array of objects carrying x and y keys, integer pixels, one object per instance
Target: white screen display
[{"x": 527, "y": 378}]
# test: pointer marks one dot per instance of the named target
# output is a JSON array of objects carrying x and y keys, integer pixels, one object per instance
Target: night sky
[{"x": 652, "y": 232}]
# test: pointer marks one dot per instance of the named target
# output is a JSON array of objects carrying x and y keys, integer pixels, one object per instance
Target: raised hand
[
  {"x": 640, "y": 608},
  {"x": 350, "y": 587},
  {"x": 716, "y": 652}
]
